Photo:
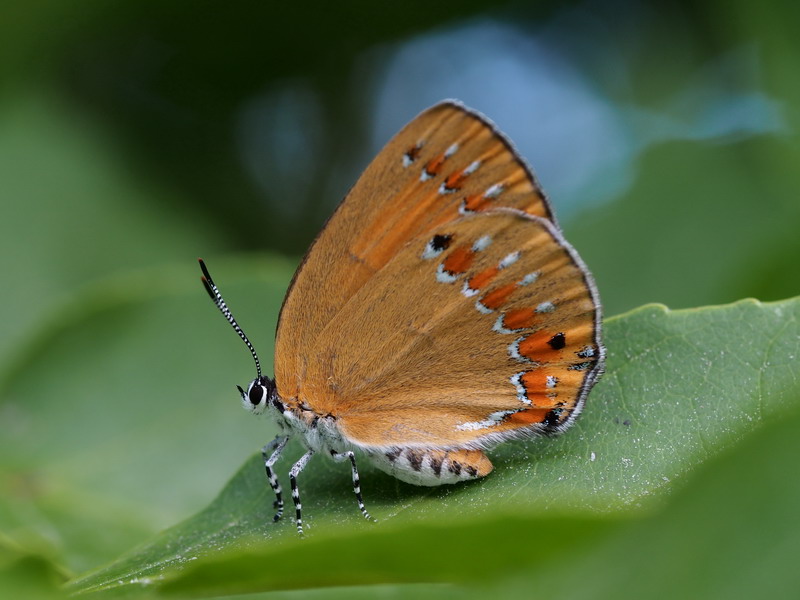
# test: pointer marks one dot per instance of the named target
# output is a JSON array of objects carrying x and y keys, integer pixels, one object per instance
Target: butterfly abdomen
[{"x": 421, "y": 466}]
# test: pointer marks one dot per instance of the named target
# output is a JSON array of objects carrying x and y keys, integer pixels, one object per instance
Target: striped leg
[
  {"x": 271, "y": 453},
  {"x": 356, "y": 483},
  {"x": 298, "y": 466}
]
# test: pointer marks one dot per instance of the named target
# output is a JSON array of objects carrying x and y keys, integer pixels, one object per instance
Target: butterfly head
[{"x": 260, "y": 393}]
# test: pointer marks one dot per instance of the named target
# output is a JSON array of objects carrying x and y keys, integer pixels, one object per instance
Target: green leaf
[
  {"x": 731, "y": 533},
  {"x": 681, "y": 386},
  {"x": 108, "y": 410}
]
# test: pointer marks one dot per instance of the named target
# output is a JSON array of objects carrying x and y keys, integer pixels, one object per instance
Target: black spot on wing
[{"x": 558, "y": 341}]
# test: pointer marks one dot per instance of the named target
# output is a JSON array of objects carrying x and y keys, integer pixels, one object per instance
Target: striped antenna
[{"x": 212, "y": 290}]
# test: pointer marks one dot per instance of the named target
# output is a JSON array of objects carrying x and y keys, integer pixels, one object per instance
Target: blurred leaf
[
  {"x": 105, "y": 420},
  {"x": 26, "y": 575},
  {"x": 73, "y": 211},
  {"x": 704, "y": 224},
  {"x": 773, "y": 26},
  {"x": 680, "y": 387}
]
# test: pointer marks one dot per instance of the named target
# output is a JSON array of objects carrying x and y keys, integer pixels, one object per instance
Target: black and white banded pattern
[
  {"x": 271, "y": 453},
  {"x": 296, "y": 470},
  {"x": 340, "y": 456}
]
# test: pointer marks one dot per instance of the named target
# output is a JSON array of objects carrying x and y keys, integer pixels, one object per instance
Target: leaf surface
[{"x": 681, "y": 387}]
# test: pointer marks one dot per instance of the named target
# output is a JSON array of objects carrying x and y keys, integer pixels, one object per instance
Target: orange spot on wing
[
  {"x": 459, "y": 260},
  {"x": 496, "y": 298},
  {"x": 520, "y": 318},
  {"x": 454, "y": 181},
  {"x": 528, "y": 417},
  {"x": 480, "y": 280},
  {"x": 435, "y": 165},
  {"x": 535, "y": 383},
  {"x": 535, "y": 347},
  {"x": 475, "y": 203}
]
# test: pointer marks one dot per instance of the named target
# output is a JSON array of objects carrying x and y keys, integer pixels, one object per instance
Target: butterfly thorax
[{"x": 315, "y": 431}]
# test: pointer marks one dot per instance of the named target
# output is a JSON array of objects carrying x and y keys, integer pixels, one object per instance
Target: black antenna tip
[{"x": 205, "y": 270}]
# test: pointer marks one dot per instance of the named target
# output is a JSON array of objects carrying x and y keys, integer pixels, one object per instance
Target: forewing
[
  {"x": 482, "y": 329},
  {"x": 447, "y": 163}
]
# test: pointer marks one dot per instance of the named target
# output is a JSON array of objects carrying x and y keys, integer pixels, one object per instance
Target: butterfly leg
[
  {"x": 296, "y": 469},
  {"x": 271, "y": 453},
  {"x": 340, "y": 456}
]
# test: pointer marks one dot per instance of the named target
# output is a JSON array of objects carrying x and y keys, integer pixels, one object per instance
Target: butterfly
[{"x": 439, "y": 313}]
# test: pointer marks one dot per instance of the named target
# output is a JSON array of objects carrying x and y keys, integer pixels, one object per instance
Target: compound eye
[{"x": 256, "y": 394}]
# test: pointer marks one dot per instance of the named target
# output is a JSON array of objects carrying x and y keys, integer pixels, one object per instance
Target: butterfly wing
[
  {"x": 482, "y": 329},
  {"x": 447, "y": 163}
]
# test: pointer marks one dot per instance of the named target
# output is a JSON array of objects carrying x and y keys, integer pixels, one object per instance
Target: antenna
[{"x": 226, "y": 312}]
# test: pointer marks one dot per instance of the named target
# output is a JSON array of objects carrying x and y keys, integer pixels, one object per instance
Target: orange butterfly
[{"x": 438, "y": 313}]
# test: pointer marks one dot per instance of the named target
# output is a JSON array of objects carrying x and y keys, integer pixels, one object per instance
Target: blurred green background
[{"x": 136, "y": 136}]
